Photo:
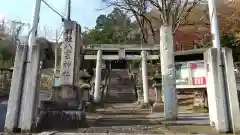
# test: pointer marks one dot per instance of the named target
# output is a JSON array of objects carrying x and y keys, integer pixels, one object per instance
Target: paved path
[
  {"x": 127, "y": 119},
  {"x": 118, "y": 118},
  {"x": 187, "y": 123}
]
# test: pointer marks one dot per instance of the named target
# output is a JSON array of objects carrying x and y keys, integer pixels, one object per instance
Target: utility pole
[
  {"x": 214, "y": 24},
  {"x": 220, "y": 116},
  {"x": 30, "y": 91},
  {"x": 34, "y": 23},
  {"x": 69, "y": 10},
  {"x": 22, "y": 97}
]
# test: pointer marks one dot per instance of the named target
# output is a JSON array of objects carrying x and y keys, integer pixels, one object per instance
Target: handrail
[
  {"x": 103, "y": 87},
  {"x": 107, "y": 81}
]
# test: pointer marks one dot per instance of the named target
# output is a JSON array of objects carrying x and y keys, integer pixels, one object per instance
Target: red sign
[
  {"x": 194, "y": 66},
  {"x": 199, "y": 80},
  {"x": 198, "y": 73}
]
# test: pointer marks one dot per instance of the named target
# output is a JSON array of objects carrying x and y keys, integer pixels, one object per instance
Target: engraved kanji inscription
[
  {"x": 66, "y": 74},
  {"x": 68, "y": 37},
  {"x": 67, "y": 54},
  {"x": 67, "y": 64},
  {"x": 67, "y": 45}
]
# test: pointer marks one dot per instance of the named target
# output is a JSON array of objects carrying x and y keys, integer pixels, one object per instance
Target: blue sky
[{"x": 84, "y": 12}]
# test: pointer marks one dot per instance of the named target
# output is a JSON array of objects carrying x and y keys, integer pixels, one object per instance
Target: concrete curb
[{"x": 48, "y": 133}]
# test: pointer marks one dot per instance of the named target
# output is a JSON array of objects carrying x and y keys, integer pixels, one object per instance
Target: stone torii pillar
[
  {"x": 14, "y": 101},
  {"x": 23, "y": 94},
  {"x": 168, "y": 74},
  {"x": 70, "y": 65},
  {"x": 145, "y": 79},
  {"x": 97, "y": 92}
]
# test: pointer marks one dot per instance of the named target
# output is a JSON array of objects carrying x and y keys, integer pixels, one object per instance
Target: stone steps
[{"x": 120, "y": 88}]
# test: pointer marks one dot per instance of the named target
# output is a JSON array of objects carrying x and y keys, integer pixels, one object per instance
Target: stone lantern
[
  {"x": 84, "y": 88},
  {"x": 158, "y": 105},
  {"x": 139, "y": 88},
  {"x": 157, "y": 78}
]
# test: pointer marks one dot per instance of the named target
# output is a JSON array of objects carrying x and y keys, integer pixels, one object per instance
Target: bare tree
[
  {"x": 176, "y": 10},
  {"x": 138, "y": 10},
  {"x": 172, "y": 12}
]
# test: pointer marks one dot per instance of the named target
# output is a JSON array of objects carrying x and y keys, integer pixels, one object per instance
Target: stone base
[
  {"x": 12, "y": 131},
  {"x": 157, "y": 107},
  {"x": 138, "y": 102},
  {"x": 144, "y": 106},
  {"x": 61, "y": 120},
  {"x": 151, "y": 102},
  {"x": 91, "y": 108}
]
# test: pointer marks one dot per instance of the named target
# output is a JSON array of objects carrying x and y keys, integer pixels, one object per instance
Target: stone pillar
[
  {"x": 28, "y": 101},
  {"x": 215, "y": 90},
  {"x": 14, "y": 101},
  {"x": 69, "y": 70},
  {"x": 231, "y": 88},
  {"x": 145, "y": 77},
  {"x": 30, "y": 89},
  {"x": 168, "y": 72},
  {"x": 97, "y": 92}
]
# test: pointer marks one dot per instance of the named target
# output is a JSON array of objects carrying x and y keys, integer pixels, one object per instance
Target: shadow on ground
[
  {"x": 111, "y": 122},
  {"x": 122, "y": 113},
  {"x": 121, "y": 121},
  {"x": 191, "y": 129}
]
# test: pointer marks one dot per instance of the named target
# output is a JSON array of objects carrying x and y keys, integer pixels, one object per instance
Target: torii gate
[{"x": 217, "y": 113}]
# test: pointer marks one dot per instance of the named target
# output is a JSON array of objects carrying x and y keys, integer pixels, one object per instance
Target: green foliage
[
  {"x": 5, "y": 55},
  {"x": 113, "y": 28},
  {"x": 136, "y": 64},
  {"x": 231, "y": 41}
]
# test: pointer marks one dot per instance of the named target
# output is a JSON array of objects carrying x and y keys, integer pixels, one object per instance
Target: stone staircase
[{"x": 120, "y": 87}]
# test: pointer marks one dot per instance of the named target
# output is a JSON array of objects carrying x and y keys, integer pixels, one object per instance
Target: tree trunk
[{"x": 168, "y": 72}]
